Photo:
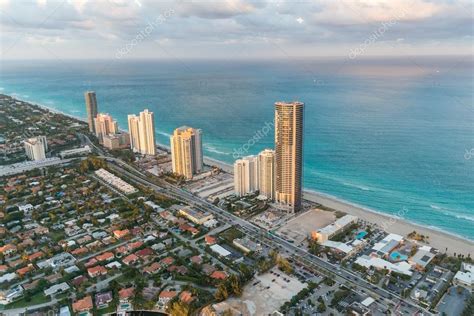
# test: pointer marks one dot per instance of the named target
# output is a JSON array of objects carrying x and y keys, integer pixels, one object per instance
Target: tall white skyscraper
[
  {"x": 104, "y": 125},
  {"x": 36, "y": 147},
  {"x": 266, "y": 173},
  {"x": 288, "y": 153},
  {"x": 186, "y": 151},
  {"x": 246, "y": 175},
  {"x": 142, "y": 133}
]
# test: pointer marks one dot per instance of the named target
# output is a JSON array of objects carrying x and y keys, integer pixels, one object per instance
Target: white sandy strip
[{"x": 437, "y": 239}]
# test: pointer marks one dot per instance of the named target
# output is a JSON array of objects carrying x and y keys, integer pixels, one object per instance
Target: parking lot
[
  {"x": 453, "y": 302},
  {"x": 267, "y": 292}
]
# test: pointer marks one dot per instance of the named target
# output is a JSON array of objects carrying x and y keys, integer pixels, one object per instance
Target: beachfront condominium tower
[
  {"x": 186, "y": 151},
  {"x": 91, "y": 107},
  {"x": 246, "y": 175},
  {"x": 142, "y": 132},
  {"x": 104, "y": 125},
  {"x": 36, "y": 147},
  {"x": 266, "y": 173},
  {"x": 288, "y": 153}
]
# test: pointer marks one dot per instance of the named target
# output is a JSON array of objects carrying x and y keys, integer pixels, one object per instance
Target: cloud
[
  {"x": 209, "y": 27},
  {"x": 347, "y": 12},
  {"x": 216, "y": 9}
]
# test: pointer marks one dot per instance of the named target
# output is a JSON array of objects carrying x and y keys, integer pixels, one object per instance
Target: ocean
[{"x": 392, "y": 135}]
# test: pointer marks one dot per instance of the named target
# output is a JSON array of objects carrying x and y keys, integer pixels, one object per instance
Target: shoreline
[{"x": 438, "y": 238}]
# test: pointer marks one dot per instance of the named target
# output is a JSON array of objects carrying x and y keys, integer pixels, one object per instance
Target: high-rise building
[
  {"x": 288, "y": 153},
  {"x": 36, "y": 147},
  {"x": 134, "y": 131},
  {"x": 266, "y": 173},
  {"x": 142, "y": 133},
  {"x": 246, "y": 175},
  {"x": 104, "y": 125},
  {"x": 91, "y": 107},
  {"x": 186, "y": 151}
]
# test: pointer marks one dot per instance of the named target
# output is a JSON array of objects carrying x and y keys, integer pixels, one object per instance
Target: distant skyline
[{"x": 233, "y": 29}]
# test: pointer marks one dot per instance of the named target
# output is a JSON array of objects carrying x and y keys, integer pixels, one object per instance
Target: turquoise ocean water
[{"x": 388, "y": 135}]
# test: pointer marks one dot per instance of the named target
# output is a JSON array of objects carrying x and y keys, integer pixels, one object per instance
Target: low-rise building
[
  {"x": 379, "y": 263},
  {"x": 82, "y": 305},
  {"x": 166, "y": 296},
  {"x": 82, "y": 151},
  {"x": 422, "y": 257},
  {"x": 195, "y": 216},
  {"x": 115, "y": 181},
  {"x": 335, "y": 228},
  {"x": 386, "y": 245},
  {"x": 96, "y": 271},
  {"x": 465, "y": 277},
  {"x": 221, "y": 251},
  {"x": 57, "y": 288},
  {"x": 102, "y": 300},
  {"x": 247, "y": 245}
]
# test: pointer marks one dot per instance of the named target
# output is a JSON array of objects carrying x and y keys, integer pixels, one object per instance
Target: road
[{"x": 300, "y": 256}]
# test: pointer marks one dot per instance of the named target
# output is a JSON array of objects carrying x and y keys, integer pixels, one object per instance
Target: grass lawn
[
  {"x": 230, "y": 234},
  {"x": 38, "y": 298}
]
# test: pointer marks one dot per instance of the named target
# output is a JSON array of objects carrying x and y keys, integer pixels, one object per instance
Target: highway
[{"x": 298, "y": 255}]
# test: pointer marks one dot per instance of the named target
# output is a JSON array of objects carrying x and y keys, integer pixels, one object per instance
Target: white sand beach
[{"x": 437, "y": 239}]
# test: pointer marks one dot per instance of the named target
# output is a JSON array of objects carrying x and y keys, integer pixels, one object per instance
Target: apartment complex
[
  {"x": 117, "y": 140},
  {"x": 91, "y": 108},
  {"x": 246, "y": 175},
  {"x": 266, "y": 173},
  {"x": 36, "y": 147},
  {"x": 142, "y": 132},
  {"x": 186, "y": 151},
  {"x": 104, "y": 125},
  {"x": 288, "y": 153}
]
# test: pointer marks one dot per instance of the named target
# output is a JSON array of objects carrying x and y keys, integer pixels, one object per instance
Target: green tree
[{"x": 222, "y": 293}]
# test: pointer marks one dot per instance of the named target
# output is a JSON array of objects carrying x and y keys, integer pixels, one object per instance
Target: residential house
[
  {"x": 96, "y": 271},
  {"x": 82, "y": 305},
  {"x": 102, "y": 300}
]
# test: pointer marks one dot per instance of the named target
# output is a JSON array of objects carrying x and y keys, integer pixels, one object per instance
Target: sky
[{"x": 239, "y": 29}]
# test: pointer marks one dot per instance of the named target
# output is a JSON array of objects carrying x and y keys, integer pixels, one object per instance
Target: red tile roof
[
  {"x": 210, "y": 240},
  {"x": 144, "y": 252},
  {"x": 105, "y": 256},
  {"x": 82, "y": 305},
  {"x": 186, "y": 297},
  {"x": 126, "y": 293},
  {"x": 219, "y": 275},
  {"x": 130, "y": 259},
  {"x": 97, "y": 270}
]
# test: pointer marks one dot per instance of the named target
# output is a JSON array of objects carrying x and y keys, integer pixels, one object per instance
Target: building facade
[
  {"x": 91, "y": 108},
  {"x": 116, "y": 141},
  {"x": 266, "y": 173},
  {"x": 186, "y": 151},
  {"x": 142, "y": 133},
  {"x": 289, "y": 154},
  {"x": 104, "y": 125},
  {"x": 246, "y": 175},
  {"x": 36, "y": 147}
]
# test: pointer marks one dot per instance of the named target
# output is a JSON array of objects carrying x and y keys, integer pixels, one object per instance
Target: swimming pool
[
  {"x": 396, "y": 256},
  {"x": 361, "y": 234}
]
